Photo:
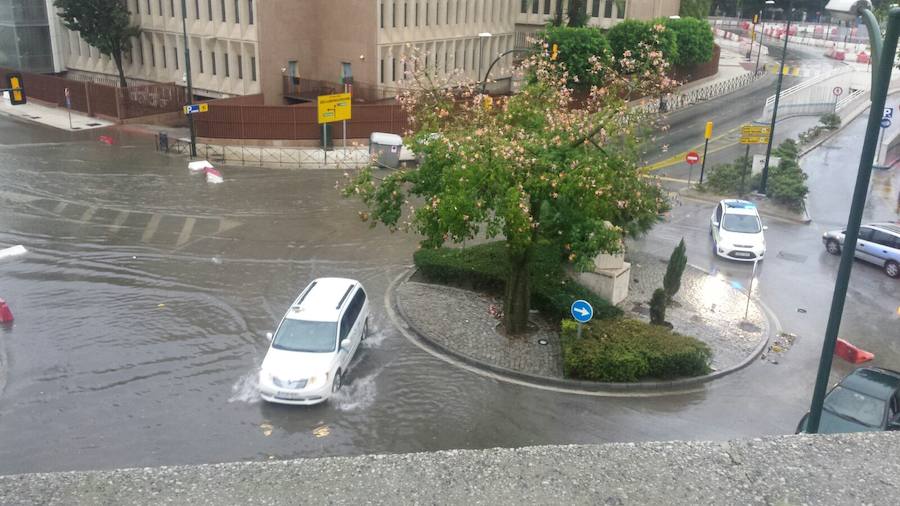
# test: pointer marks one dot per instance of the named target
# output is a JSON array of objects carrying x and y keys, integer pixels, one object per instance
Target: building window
[
  {"x": 222, "y": 5},
  {"x": 381, "y": 72},
  {"x": 525, "y": 6},
  {"x": 607, "y": 9},
  {"x": 595, "y": 9},
  {"x": 253, "y": 68},
  {"x": 394, "y": 14},
  {"x": 393, "y": 69},
  {"x": 427, "y": 11},
  {"x": 152, "y": 54},
  {"x": 200, "y": 59},
  {"x": 141, "y": 49},
  {"x": 165, "y": 60},
  {"x": 137, "y": 6},
  {"x": 240, "y": 63},
  {"x": 212, "y": 59},
  {"x": 172, "y": 8},
  {"x": 417, "y": 14},
  {"x": 227, "y": 69},
  {"x": 237, "y": 12},
  {"x": 381, "y": 14},
  {"x": 209, "y": 9},
  {"x": 620, "y": 9},
  {"x": 405, "y": 14},
  {"x": 535, "y": 5},
  {"x": 175, "y": 54},
  {"x": 249, "y": 12},
  {"x": 547, "y": 6},
  {"x": 196, "y": 9},
  {"x": 149, "y": 11}
]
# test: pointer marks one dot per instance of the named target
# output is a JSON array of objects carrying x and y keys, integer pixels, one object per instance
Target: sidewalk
[
  {"x": 56, "y": 117},
  {"x": 459, "y": 324}
]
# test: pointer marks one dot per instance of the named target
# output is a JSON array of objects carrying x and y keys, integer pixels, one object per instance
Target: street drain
[{"x": 792, "y": 257}]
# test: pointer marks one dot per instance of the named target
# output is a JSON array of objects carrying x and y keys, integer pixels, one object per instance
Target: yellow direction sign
[
  {"x": 755, "y": 140},
  {"x": 195, "y": 108},
  {"x": 334, "y": 107},
  {"x": 754, "y": 131}
]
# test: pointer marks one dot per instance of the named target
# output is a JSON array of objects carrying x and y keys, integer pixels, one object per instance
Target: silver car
[{"x": 878, "y": 243}]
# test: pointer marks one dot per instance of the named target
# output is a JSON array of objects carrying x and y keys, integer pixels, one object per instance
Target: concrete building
[
  {"x": 277, "y": 47},
  {"x": 27, "y": 37}
]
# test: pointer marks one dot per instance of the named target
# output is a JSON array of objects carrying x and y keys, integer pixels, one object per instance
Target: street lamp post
[
  {"x": 187, "y": 70},
  {"x": 886, "y": 48},
  {"x": 481, "y": 37},
  {"x": 762, "y": 34},
  {"x": 497, "y": 59},
  {"x": 787, "y": 34}
]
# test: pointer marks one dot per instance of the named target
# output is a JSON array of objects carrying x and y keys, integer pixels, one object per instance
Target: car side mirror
[
  {"x": 269, "y": 335},
  {"x": 715, "y": 223},
  {"x": 345, "y": 344}
]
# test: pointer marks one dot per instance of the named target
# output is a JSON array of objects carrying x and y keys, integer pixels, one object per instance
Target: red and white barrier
[
  {"x": 199, "y": 166},
  {"x": 851, "y": 353},
  {"x": 214, "y": 176},
  {"x": 5, "y": 313}
]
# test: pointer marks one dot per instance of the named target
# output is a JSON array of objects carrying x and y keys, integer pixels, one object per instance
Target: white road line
[
  {"x": 60, "y": 207},
  {"x": 186, "y": 231},
  {"x": 120, "y": 219},
  {"x": 150, "y": 229},
  {"x": 88, "y": 214}
]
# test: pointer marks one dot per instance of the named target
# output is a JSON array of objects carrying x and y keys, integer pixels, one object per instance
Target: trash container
[
  {"x": 327, "y": 137},
  {"x": 386, "y": 147},
  {"x": 163, "y": 142}
]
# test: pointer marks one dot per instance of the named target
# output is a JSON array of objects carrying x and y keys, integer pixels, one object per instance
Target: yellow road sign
[
  {"x": 755, "y": 140},
  {"x": 754, "y": 131},
  {"x": 334, "y": 107}
]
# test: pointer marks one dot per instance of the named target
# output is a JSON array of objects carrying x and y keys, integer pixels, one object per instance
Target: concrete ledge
[
  {"x": 643, "y": 388},
  {"x": 837, "y": 469}
]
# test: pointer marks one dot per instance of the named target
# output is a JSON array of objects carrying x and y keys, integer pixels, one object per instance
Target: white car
[
  {"x": 737, "y": 231},
  {"x": 315, "y": 342}
]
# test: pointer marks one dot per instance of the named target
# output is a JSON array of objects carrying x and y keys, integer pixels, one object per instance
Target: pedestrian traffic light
[
  {"x": 755, "y": 19},
  {"x": 554, "y": 52},
  {"x": 16, "y": 91}
]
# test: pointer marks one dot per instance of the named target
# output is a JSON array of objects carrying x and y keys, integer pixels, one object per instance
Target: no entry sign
[{"x": 692, "y": 157}]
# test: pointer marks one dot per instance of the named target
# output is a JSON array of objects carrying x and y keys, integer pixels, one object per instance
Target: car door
[
  {"x": 864, "y": 247},
  {"x": 716, "y": 222},
  {"x": 345, "y": 354},
  {"x": 881, "y": 245}
]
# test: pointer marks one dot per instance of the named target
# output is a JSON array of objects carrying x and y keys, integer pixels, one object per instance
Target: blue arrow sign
[
  {"x": 885, "y": 123},
  {"x": 582, "y": 312}
]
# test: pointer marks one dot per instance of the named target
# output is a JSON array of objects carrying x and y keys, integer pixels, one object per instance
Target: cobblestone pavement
[
  {"x": 706, "y": 307},
  {"x": 461, "y": 321}
]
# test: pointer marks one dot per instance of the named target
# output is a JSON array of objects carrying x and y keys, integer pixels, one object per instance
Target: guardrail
[
  {"x": 676, "y": 101},
  {"x": 352, "y": 157},
  {"x": 817, "y": 103}
]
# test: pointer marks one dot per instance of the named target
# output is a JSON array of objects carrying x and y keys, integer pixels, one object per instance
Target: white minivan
[{"x": 315, "y": 342}]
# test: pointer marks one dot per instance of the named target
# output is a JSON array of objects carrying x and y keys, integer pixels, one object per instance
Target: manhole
[
  {"x": 94, "y": 124},
  {"x": 792, "y": 257}
]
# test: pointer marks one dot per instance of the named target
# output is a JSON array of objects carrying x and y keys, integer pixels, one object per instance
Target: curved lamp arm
[{"x": 501, "y": 55}]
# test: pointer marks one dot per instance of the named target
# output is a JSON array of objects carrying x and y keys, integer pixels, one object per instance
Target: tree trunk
[
  {"x": 518, "y": 294},
  {"x": 117, "y": 58}
]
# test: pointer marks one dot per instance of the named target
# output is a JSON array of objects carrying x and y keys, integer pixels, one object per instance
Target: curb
[
  {"x": 580, "y": 387},
  {"x": 805, "y": 220}
]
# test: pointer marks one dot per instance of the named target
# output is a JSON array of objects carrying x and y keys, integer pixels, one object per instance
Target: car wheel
[
  {"x": 337, "y": 383},
  {"x": 892, "y": 269},
  {"x": 833, "y": 247}
]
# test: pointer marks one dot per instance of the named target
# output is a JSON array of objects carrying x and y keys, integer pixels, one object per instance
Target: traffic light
[
  {"x": 756, "y": 19},
  {"x": 554, "y": 52},
  {"x": 16, "y": 91}
]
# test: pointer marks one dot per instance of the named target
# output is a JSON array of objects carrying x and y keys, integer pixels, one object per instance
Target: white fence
[
  {"x": 307, "y": 158},
  {"x": 676, "y": 101}
]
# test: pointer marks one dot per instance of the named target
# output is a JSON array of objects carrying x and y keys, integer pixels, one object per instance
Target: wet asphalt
[{"x": 142, "y": 306}]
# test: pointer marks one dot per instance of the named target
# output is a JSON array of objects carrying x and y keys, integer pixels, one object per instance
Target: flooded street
[{"x": 142, "y": 307}]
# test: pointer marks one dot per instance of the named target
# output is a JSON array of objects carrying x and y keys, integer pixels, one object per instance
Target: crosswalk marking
[
  {"x": 60, "y": 207},
  {"x": 120, "y": 219},
  {"x": 186, "y": 231},
  {"x": 151, "y": 227},
  {"x": 88, "y": 214}
]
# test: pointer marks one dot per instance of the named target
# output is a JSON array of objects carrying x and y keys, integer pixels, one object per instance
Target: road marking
[
  {"x": 226, "y": 224},
  {"x": 186, "y": 231},
  {"x": 151, "y": 227},
  {"x": 120, "y": 219},
  {"x": 679, "y": 158},
  {"x": 60, "y": 207},
  {"x": 88, "y": 214}
]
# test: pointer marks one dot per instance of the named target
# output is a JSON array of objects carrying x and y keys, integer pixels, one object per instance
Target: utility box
[{"x": 386, "y": 148}]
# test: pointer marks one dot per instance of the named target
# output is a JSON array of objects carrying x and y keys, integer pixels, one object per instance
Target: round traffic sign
[
  {"x": 582, "y": 311},
  {"x": 692, "y": 157},
  {"x": 837, "y": 91},
  {"x": 886, "y": 122}
]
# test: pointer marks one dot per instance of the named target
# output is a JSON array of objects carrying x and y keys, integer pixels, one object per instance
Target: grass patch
[
  {"x": 485, "y": 267},
  {"x": 627, "y": 350}
]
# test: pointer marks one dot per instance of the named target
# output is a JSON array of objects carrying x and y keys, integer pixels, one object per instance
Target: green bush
[
  {"x": 830, "y": 121},
  {"x": 485, "y": 267},
  {"x": 674, "y": 271},
  {"x": 694, "y": 38},
  {"x": 658, "y": 307},
  {"x": 699, "y": 9},
  {"x": 576, "y": 47},
  {"x": 787, "y": 182},
  {"x": 631, "y": 33},
  {"x": 628, "y": 350},
  {"x": 726, "y": 178}
]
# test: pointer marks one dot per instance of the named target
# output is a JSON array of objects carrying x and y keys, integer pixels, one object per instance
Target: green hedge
[
  {"x": 628, "y": 350},
  {"x": 485, "y": 267}
]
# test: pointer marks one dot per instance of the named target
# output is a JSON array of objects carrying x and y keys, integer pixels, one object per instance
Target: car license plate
[
  {"x": 744, "y": 254},
  {"x": 288, "y": 395}
]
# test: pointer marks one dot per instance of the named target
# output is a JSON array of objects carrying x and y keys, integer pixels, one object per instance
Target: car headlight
[{"x": 317, "y": 379}]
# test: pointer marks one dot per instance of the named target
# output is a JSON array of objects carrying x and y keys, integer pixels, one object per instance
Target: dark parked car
[{"x": 868, "y": 399}]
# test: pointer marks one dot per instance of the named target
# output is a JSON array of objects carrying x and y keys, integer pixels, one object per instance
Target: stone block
[{"x": 611, "y": 284}]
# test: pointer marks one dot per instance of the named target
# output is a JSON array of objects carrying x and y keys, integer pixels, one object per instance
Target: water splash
[
  {"x": 246, "y": 389},
  {"x": 376, "y": 336},
  {"x": 360, "y": 394}
]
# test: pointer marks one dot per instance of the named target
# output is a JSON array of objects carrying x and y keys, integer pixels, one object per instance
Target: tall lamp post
[
  {"x": 787, "y": 34},
  {"x": 883, "y": 51},
  {"x": 481, "y": 37},
  {"x": 187, "y": 70}
]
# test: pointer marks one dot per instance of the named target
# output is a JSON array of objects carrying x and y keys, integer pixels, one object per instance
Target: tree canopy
[{"x": 104, "y": 24}]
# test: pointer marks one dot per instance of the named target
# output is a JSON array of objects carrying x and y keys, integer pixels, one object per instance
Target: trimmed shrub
[
  {"x": 485, "y": 267},
  {"x": 830, "y": 121},
  {"x": 674, "y": 270},
  {"x": 726, "y": 178},
  {"x": 628, "y": 350},
  {"x": 576, "y": 47},
  {"x": 694, "y": 38},
  {"x": 658, "y": 307},
  {"x": 631, "y": 33}
]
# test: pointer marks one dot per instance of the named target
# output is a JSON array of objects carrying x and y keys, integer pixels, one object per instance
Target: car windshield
[
  {"x": 308, "y": 336},
  {"x": 854, "y": 406},
  {"x": 743, "y": 223}
]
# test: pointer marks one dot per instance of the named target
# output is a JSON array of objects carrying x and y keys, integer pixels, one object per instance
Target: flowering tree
[{"x": 535, "y": 167}]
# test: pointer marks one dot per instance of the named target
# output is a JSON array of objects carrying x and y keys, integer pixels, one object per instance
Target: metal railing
[
  {"x": 676, "y": 101},
  {"x": 309, "y": 158}
]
